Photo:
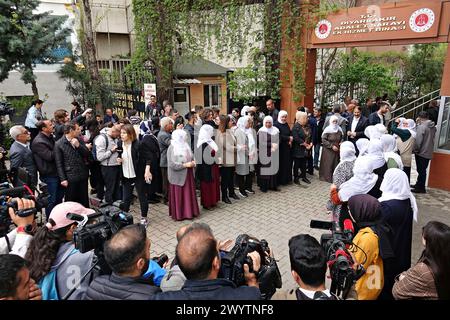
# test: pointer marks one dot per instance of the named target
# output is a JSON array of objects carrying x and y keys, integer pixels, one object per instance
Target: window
[
  {"x": 212, "y": 95},
  {"x": 444, "y": 134}
]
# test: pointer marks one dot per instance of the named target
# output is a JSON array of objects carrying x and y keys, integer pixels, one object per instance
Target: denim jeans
[
  {"x": 422, "y": 165},
  {"x": 316, "y": 154},
  {"x": 56, "y": 192}
]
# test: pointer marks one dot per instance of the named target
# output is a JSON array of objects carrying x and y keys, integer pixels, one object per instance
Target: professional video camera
[
  {"x": 6, "y": 109},
  {"x": 27, "y": 191},
  {"x": 340, "y": 262},
  {"x": 106, "y": 222},
  {"x": 232, "y": 267}
]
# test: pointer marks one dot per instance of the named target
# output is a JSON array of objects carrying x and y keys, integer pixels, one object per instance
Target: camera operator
[
  {"x": 371, "y": 245},
  {"x": 15, "y": 280},
  {"x": 308, "y": 268},
  {"x": 52, "y": 249},
  {"x": 128, "y": 255},
  {"x": 18, "y": 240},
  {"x": 198, "y": 256},
  {"x": 20, "y": 153},
  {"x": 44, "y": 156}
]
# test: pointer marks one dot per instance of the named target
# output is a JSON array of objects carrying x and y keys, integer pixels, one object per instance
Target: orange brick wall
[{"x": 440, "y": 171}]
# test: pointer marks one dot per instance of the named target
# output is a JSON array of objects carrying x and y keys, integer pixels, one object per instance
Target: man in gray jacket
[
  {"x": 423, "y": 150},
  {"x": 106, "y": 152},
  {"x": 164, "y": 138},
  {"x": 20, "y": 154}
]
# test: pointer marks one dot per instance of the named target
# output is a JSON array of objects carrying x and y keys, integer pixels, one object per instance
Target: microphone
[{"x": 349, "y": 230}]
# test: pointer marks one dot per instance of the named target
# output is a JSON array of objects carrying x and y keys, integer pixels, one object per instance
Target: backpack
[
  {"x": 48, "y": 283},
  {"x": 94, "y": 148}
]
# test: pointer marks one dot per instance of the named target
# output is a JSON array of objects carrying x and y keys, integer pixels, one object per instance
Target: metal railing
[{"x": 412, "y": 109}]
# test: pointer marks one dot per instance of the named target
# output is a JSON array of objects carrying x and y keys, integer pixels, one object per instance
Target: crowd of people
[{"x": 175, "y": 159}]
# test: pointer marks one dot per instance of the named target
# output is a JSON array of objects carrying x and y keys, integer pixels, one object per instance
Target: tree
[{"x": 28, "y": 38}]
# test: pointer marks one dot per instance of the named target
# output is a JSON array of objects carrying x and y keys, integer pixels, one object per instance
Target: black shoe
[
  {"x": 413, "y": 186},
  {"x": 250, "y": 191},
  {"x": 208, "y": 208},
  {"x": 277, "y": 189},
  {"x": 306, "y": 180},
  {"x": 316, "y": 167},
  {"x": 153, "y": 201},
  {"x": 235, "y": 196},
  {"x": 311, "y": 173},
  {"x": 244, "y": 194},
  {"x": 226, "y": 200},
  {"x": 296, "y": 181},
  {"x": 418, "y": 190}
]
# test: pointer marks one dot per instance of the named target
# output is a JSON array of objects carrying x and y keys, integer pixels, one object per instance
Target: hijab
[
  {"x": 244, "y": 111},
  {"x": 390, "y": 148},
  {"x": 395, "y": 186},
  {"x": 362, "y": 145},
  {"x": 375, "y": 154},
  {"x": 272, "y": 130},
  {"x": 205, "y": 136},
  {"x": 372, "y": 133},
  {"x": 362, "y": 182},
  {"x": 347, "y": 151},
  {"x": 411, "y": 127},
  {"x": 178, "y": 142},
  {"x": 332, "y": 127},
  {"x": 242, "y": 122},
  {"x": 281, "y": 114},
  {"x": 365, "y": 211}
]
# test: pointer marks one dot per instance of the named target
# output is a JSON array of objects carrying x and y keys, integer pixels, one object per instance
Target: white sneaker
[{"x": 144, "y": 222}]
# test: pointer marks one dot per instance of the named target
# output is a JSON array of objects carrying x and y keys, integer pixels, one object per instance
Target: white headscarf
[
  {"x": 411, "y": 127},
  {"x": 395, "y": 185},
  {"x": 332, "y": 127},
  {"x": 363, "y": 180},
  {"x": 272, "y": 130},
  {"x": 242, "y": 122},
  {"x": 372, "y": 133},
  {"x": 362, "y": 145},
  {"x": 281, "y": 114},
  {"x": 347, "y": 151},
  {"x": 244, "y": 110},
  {"x": 375, "y": 154},
  {"x": 381, "y": 128},
  {"x": 205, "y": 136},
  {"x": 390, "y": 148},
  {"x": 180, "y": 146}
]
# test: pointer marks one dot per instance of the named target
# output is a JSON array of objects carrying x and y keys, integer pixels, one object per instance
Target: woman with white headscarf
[
  {"x": 391, "y": 156},
  {"x": 404, "y": 130},
  {"x": 268, "y": 146},
  {"x": 398, "y": 209},
  {"x": 332, "y": 137},
  {"x": 375, "y": 157},
  {"x": 372, "y": 133},
  {"x": 362, "y": 145},
  {"x": 245, "y": 146},
  {"x": 207, "y": 169},
  {"x": 182, "y": 196},
  {"x": 285, "y": 172},
  {"x": 343, "y": 173}
]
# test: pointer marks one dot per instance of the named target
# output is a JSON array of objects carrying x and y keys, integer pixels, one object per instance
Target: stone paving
[{"x": 276, "y": 217}]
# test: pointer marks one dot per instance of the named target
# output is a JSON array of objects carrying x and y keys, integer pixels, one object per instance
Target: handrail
[{"x": 414, "y": 101}]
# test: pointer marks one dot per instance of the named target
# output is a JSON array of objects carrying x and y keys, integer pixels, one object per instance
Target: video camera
[
  {"x": 94, "y": 230},
  {"x": 6, "y": 109},
  {"x": 340, "y": 262},
  {"x": 232, "y": 267},
  {"x": 26, "y": 191}
]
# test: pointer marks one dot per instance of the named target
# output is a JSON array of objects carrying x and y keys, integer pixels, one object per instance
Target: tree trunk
[
  {"x": 91, "y": 55},
  {"x": 34, "y": 89}
]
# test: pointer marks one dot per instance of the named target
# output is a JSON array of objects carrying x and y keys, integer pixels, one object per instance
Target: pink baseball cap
[{"x": 59, "y": 212}]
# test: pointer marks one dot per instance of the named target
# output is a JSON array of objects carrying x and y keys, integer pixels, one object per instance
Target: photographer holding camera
[
  {"x": 128, "y": 255},
  {"x": 198, "y": 257},
  {"x": 54, "y": 262},
  {"x": 18, "y": 240},
  {"x": 308, "y": 268}
]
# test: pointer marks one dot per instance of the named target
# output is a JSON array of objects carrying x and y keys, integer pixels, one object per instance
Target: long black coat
[
  {"x": 300, "y": 137},
  {"x": 44, "y": 155},
  {"x": 204, "y": 168},
  {"x": 149, "y": 154},
  {"x": 71, "y": 162},
  {"x": 285, "y": 171}
]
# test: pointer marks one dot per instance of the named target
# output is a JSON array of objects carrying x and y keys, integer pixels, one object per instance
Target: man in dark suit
[
  {"x": 20, "y": 154},
  {"x": 356, "y": 125},
  {"x": 378, "y": 116},
  {"x": 271, "y": 110}
]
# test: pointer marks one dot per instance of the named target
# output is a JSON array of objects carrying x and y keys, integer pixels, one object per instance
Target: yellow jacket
[{"x": 369, "y": 286}]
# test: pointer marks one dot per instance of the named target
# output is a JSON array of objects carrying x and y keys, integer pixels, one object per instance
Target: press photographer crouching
[
  {"x": 128, "y": 255},
  {"x": 17, "y": 211},
  {"x": 15, "y": 280},
  {"x": 308, "y": 268},
  {"x": 54, "y": 262},
  {"x": 198, "y": 257}
]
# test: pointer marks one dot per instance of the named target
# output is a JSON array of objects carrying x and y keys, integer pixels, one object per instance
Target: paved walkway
[{"x": 276, "y": 217}]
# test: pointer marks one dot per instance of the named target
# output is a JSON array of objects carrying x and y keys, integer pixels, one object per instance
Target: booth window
[
  {"x": 212, "y": 95},
  {"x": 444, "y": 132}
]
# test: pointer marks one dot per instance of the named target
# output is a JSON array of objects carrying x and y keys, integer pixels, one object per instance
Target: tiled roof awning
[{"x": 186, "y": 81}]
